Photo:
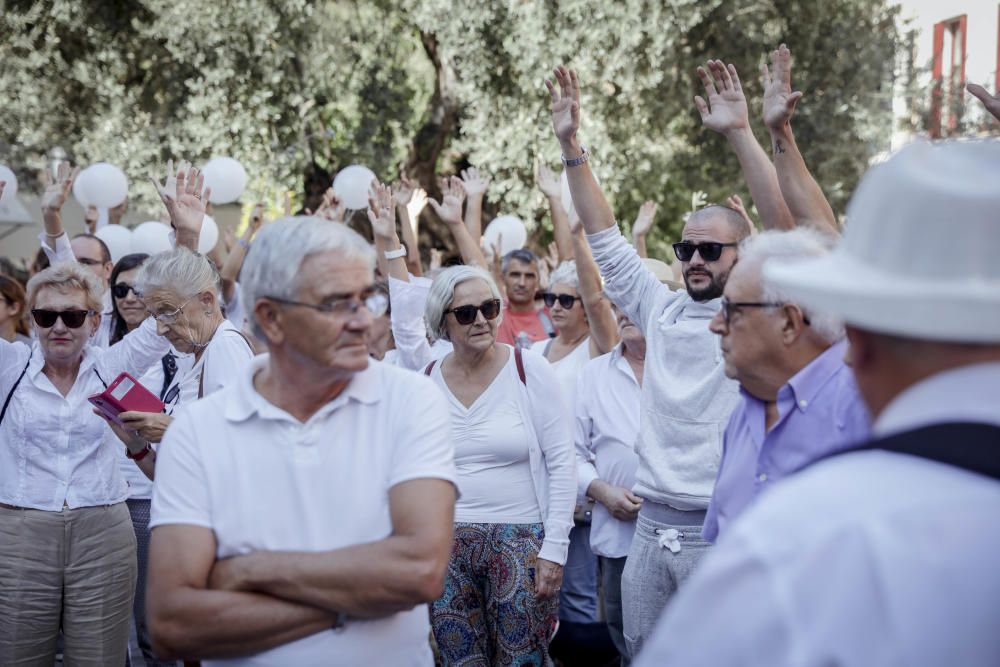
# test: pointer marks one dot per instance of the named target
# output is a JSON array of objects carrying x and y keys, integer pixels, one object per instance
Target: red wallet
[{"x": 125, "y": 394}]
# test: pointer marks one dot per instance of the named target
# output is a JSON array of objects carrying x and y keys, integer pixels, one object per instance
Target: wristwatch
[
  {"x": 577, "y": 161},
  {"x": 395, "y": 254}
]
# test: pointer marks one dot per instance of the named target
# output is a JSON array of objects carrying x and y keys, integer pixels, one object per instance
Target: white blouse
[{"x": 54, "y": 452}]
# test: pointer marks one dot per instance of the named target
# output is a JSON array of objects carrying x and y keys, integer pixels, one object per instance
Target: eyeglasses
[
  {"x": 121, "y": 290},
  {"x": 728, "y": 307},
  {"x": 171, "y": 316},
  {"x": 86, "y": 261},
  {"x": 467, "y": 314},
  {"x": 375, "y": 302},
  {"x": 73, "y": 319},
  {"x": 709, "y": 250},
  {"x": 565, "y": 300}
]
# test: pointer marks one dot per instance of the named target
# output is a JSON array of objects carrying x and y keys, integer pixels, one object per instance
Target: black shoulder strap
[
  {"x": 3, "y": 412},
  {"x": 970, "y": 446},
  {"x": 430, "y": 367}
]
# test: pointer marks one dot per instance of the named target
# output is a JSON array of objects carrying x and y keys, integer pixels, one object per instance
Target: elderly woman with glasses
[{"x": 67, "y": 549}]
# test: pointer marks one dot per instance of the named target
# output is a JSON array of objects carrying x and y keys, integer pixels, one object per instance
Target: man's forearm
[
  {"x": 639, "y": 241},
  {"x": 410, "y": 240},
  {"x": 588, "y": 198},
  {"x": 196, "y": 624},
  {"x": 805, "y": 199},
  {"x": 761, "y": 180},
  {"x": 474, "y": 217},
  {"x": 560, "y": 230}
]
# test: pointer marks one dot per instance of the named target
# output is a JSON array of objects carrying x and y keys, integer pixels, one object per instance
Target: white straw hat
[{"x": 920, "y": 257}]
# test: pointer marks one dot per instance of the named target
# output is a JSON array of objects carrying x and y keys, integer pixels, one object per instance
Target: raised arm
[
  {"x": 57, "y": 188},
  {"x": 991, "y": 102},
  {"x": 234, "y": 260},
  {"x": 410, "y": 202},
  {"x": 640, "y": 228},
  {"x": 549, "y": 185},
  {"x": 185, "y": 203},
  {"x": 449, "y": 209},
  {"x": 475, "y": 184},
  {"x": 603, "y": 325},
  {"x": 799, "y": 189},
  {"x": 382, "y": 216},
  {"x": 725, "y": 112},
  {"x": 588, "y": 198}
]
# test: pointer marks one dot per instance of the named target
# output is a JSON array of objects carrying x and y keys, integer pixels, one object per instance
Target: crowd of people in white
[{"x": 512, "y": 460}]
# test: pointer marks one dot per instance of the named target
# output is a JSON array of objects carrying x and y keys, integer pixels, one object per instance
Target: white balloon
[
  {"x": 351, "y": 185},
  {"x": 118, "y": 239},
  {"x": 510, "y": 228},
  {"x": 227, "y": 178},
  {"x": 151, "y": 237},
  {"x": 567, "y": 198},
  {"x": 104, "y": 185},
  {"x": 9, "y": 190},
  {"x": 209, "y": 235}
]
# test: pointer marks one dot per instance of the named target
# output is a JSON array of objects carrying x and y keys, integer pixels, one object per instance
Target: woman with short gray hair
[
  {"x": 66, "y": 539},
  {"x": 516, "y": 475}
]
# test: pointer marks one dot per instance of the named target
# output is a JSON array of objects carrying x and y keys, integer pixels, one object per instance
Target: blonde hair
[{"x": 67, "y": 275}]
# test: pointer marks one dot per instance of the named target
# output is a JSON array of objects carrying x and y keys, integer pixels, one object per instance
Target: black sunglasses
[
  {"x": 709, "y": 250},
  {"x": 565, "y": 300},
  {"x": 121, "y": 290},
  {"x": 73, "y": 319},
  {"x": 467, "y": 314}
]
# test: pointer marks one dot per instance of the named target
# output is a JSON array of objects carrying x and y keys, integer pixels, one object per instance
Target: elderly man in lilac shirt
[{"x": 799, "y": 400}]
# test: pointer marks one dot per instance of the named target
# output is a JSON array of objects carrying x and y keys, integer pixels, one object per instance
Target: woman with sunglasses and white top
[{"x": 67, "y": 549}]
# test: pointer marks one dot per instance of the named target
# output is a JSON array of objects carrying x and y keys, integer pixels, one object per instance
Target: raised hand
[
  {"x": 416, "y": 205},
  {"x": 779, "y": 100},
  {"x": 735, "y": 202},
  {"x": 547, "y": 181},
  {"x": 449, "y": 209},
  {"x": 402, "y": 190},
  {"x": 991, "y": 102},
  {"x": 644, "y": 221},
  {"x": 565, "y": 104},
  {"x": 90, "y": 217},
  {"x": 186, "y": 203},
  {"x": 57, "y": 189},
  {"x": 381, "y": 211},
  {"x": 331, "y": 207},
  {"x": 726, "y": 109},
  {"x": 474, "y": 182},
  {"x": 437, "y": 257}
]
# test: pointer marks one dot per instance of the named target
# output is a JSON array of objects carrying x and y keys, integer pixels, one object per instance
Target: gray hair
[
  {"x": 798, "y": 244},
  {"x": 520, "y": 254},
  {"x": 179, "y": 271},
  {"x": 67, "y": 275},
  {"x": 273, "y": 265},
  {"x": 566, "y": 274},
  {"x": 443, "y": 292}
]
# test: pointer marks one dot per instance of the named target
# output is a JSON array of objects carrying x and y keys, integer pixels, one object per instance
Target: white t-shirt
[
  {"x": 568, "y": 368},
  {"x": 492, "y": 453},
  {"x": 262, "y": 480}
]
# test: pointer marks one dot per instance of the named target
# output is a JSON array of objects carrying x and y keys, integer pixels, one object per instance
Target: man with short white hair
[
  {"x": 884, "y": 555},
  {"x": 303, "y": 515},
  {"x": 799, "y": 401}
]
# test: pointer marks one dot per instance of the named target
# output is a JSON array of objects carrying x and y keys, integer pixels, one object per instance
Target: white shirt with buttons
[
  {"x": 262, "y": 480},
  {"x": 54, "y": 451}
]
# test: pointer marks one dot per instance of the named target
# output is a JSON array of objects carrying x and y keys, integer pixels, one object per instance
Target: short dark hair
[
  {"x": 105, "y": 253},
  {"x": 733, "y": 219},
  {"x": 521, "y": 255}
]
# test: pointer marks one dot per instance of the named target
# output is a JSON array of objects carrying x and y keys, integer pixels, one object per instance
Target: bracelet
[
  {"x": 395, "y": 254},
  {"x": 243, "y": 243},
  {"x": 577, "y": 161},
  {"x": 141, "y": 455}
]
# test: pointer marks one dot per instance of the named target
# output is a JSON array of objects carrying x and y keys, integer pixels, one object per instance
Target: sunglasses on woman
[
  {"x": 709, "y": 250},
  {"x": 467, "y": 314},
  {"x": 73, "y": 319},
  {"x": 565, "y": 300},
  {"x": 121, "y": 290}
]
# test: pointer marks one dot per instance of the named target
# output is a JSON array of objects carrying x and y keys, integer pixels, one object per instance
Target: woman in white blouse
[
  {"x": 516, "y": 476},
  {"x": 67, "y": 549}
]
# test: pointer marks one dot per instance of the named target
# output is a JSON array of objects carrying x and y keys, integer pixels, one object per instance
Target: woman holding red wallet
[{"x": 67, "y": 548}]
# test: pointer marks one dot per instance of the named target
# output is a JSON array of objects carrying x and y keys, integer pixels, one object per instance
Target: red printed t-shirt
[{"x": 514, "y": 323}]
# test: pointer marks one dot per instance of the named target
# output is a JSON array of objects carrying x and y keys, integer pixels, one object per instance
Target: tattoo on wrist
[{"x": 778, "y": 148}]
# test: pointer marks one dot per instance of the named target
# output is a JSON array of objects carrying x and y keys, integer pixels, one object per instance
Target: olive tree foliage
[{"x": 295, "y": 86}]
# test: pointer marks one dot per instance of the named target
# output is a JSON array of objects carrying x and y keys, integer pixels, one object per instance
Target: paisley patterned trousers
[{"x": 488, "y": 615}]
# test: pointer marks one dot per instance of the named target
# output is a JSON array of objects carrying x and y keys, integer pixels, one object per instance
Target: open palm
[
  {"x": 565, "y": 103},
  {"x": 779, "y": 100},
  {"x": 726, "y": 108}
]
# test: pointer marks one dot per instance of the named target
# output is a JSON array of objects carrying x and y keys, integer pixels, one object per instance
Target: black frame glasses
[
  {"x": 728, "y": 307},
  {"x": 121, "y": 290},
  {"x": 375, "y": 302},
  {"x": 86, "y": 261},
  {"x": 466, "y": 315},
  {"x": 73, "y": 319},
  {"x": 710, "y": 251},
  {"x": 565, "y": 300}
]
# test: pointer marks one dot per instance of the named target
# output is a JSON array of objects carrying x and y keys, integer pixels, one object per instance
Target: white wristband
[{"x": 395, "y": 254}]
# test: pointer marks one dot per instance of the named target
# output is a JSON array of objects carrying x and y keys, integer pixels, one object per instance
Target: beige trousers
[{"x": 74, "y": 570}]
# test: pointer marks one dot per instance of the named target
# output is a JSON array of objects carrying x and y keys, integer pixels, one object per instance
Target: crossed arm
[{"x": 199, "y": 607}]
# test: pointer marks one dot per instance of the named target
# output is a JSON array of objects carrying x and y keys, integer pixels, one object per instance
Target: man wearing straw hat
[{"x": 885, "y": 555}]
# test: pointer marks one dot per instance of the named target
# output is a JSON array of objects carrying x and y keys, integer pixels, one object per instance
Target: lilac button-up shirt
[{"x": 819, "y": 412}]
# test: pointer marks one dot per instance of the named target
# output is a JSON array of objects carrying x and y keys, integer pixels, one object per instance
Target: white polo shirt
[{"x": 262, "y": 480}]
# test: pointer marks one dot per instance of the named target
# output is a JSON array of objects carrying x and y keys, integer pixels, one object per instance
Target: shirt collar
[
  {"x": 813, "y": 376},
  {"x": 365, "y": 387},
  {"x": 90, "y": 356}
]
